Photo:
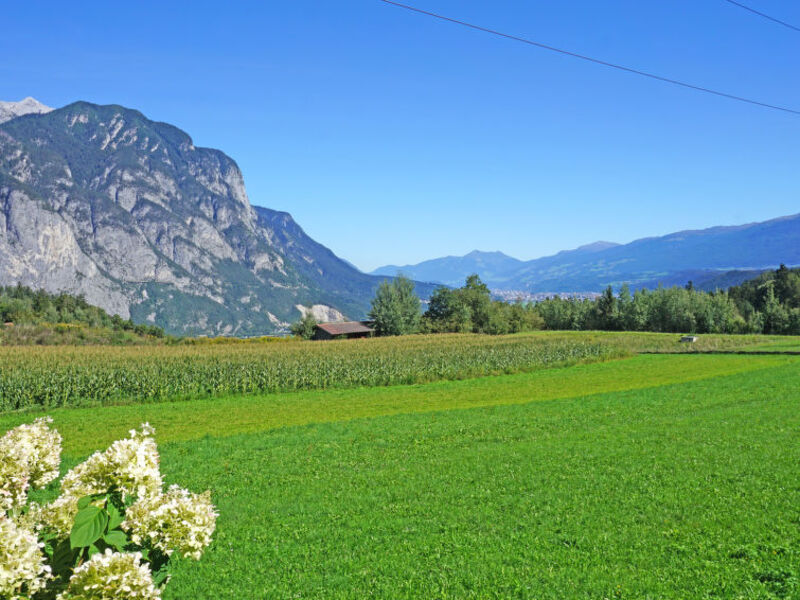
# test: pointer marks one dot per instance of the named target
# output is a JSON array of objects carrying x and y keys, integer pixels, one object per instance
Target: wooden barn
[{"x": 348, "y": 329}]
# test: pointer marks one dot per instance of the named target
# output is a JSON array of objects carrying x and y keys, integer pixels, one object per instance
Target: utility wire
[
  {"x": 760, "y": 14},
  {"x": 593, "y": 60}
]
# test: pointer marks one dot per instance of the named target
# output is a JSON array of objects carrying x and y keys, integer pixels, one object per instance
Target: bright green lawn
[{"x": 603, "y": 480}]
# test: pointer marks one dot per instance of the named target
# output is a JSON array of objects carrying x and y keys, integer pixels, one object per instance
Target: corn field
[{"x": 46, "y": 377}]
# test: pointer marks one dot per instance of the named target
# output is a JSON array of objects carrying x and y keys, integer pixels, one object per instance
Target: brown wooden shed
[{"x": 348, "y": 329}]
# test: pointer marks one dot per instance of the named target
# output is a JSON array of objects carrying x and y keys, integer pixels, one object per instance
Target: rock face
[
  {"x": 101, "y": 201},
  {"x": 321, "y": 313},
  {"x": 11, "y": 110}
]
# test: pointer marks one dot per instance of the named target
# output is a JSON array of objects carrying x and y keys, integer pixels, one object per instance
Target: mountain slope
[
  {"x": 452, "y": 270},
  {"x": 649, "y": 261},
  {"x": 703, "y": 256},
  {"x": 101, "y": 201}
]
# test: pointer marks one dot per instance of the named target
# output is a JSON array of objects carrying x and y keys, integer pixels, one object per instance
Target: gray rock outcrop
[{"x": 101, "y": 201}]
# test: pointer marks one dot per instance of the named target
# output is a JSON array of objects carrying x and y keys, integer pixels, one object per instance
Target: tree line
[{"x": 769, "y": 303}]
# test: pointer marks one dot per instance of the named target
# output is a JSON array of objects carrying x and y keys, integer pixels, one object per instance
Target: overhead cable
[
  {"x": 761, "y": 14},
  {"x": 594, "y": 60}
]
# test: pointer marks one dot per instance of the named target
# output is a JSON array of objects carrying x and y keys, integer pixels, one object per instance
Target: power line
[
  {"x": 593, "y": 60},
  {"x": 760, "y": 14}
]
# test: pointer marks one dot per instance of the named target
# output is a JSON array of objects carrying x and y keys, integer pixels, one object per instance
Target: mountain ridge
[
  {"x": 101, "y": 201},
  {"x": 648, "y": 262},
  {"x": 449, "y": 270}
]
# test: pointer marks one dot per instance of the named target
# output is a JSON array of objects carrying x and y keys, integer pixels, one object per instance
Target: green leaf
[
  {"x": 115, "y": 516},
  {"x": 63, "y": 558},
  {"x": 161, "y": 576},
  {"x": 93, "y": 550},
  {"x": 116, "y": 538},
  {"x": 86, "y": 500},
  {"x": 89, "y": 526}
]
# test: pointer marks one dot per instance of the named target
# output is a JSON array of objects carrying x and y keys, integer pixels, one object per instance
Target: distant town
[{"x": 520, "y": 295}]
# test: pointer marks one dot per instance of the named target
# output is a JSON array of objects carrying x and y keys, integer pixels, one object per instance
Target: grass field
[{"x": 656, "y": 476}]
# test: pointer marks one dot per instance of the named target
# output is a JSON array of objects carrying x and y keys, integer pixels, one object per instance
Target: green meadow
[{"x": 653, "y": 476}]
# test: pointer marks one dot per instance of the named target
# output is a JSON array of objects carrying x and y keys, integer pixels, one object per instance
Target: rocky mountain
[
  {"x": 709, "y": 257},
  {"x": 102, "y": 201},
  {"x": 11, "y": 110}
]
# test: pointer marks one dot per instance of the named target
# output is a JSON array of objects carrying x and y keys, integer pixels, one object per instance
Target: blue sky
[{"x": 393, "y": 138}]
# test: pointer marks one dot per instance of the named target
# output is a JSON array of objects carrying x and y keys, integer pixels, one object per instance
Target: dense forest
[
  {"x": 36, "y": 314},
  {"x": 770, "y": 304}
]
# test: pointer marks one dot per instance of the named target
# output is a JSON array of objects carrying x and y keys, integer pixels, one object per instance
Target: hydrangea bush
[{"x": 109, "y": 534}]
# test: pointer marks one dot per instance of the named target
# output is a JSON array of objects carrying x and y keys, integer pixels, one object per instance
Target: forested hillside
[{"x": 35, "y": 316}]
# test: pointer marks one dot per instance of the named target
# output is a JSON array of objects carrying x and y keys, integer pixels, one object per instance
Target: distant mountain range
[
  {"x": 102, "y": 201},
  {"x": 718, "y": 256},
  {"x": 451, "y": 270}
]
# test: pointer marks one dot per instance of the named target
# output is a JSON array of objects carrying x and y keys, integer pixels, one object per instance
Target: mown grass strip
[
  {"x": 87, "y": 429},
  {"x": 678, "y": 491}
]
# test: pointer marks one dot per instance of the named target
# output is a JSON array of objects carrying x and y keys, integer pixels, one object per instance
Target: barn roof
[{"x": 344, "y": 328}]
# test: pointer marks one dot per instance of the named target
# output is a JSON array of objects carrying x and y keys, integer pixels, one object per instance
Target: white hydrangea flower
[
  {"x": 14, "y": 476},
  {"x": 132, "y": 465},
  {"x": 174, "y": 521},
  {"x": 110, "y": 575},
  {"x": 23, "y": 571},
  {"x": 30, "y": 519},
  {"x": 29, "y": 457},
  {"x": 41, "y": 447},
  {"x": 58, "y": 516}
]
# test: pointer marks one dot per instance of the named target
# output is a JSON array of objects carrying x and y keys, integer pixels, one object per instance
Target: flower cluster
[
  {"x": 29, "y": 457},
  {"x": 14, "y": 477},
  {"x": 130, "y": 465},
  {"x": 110, "y": 505},
  {"x": 111, "y": 575},
  {"x": 42, "y": 448},
  {"x": 174, "y": 521},
  {"x": 23, "y": 571}
]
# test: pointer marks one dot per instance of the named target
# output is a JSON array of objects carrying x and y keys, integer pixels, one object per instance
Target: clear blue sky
[{"x": 393, "y": 138}]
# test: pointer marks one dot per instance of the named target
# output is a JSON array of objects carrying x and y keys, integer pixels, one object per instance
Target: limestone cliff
[{"x": 101, "y": 201}]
